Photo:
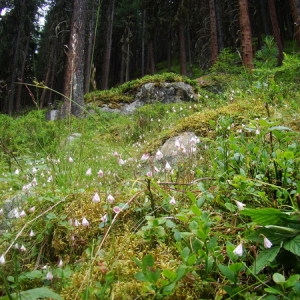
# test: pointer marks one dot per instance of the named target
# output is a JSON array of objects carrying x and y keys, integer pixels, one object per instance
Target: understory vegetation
[{"x": 90, "y": 209}]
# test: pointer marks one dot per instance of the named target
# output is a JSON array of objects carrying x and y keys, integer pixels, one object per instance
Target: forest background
[{"x": 120, "y": 40}]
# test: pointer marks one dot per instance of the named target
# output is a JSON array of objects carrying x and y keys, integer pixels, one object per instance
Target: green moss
[{"x": 126, "y": 92}]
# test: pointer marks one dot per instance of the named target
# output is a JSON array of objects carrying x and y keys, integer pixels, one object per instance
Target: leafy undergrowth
[{"x": 100, "y": 214}]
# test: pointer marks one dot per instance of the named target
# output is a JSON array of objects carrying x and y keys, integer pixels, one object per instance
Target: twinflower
[{"x": 238, "y": 250}]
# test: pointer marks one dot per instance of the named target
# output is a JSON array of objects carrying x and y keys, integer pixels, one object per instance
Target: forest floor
[{"x": 90, "y": 209}]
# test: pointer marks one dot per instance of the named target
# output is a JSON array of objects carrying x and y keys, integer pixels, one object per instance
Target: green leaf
[
  {"x": 264, "y": 258},
  {"x": 273, "y": 291},
  {"x": 168, "y": 289},
  {"x": 227, "y": 273},
  {"x": 293, "y": 245},
  {"x": 280, "y": 128},
  {"x": 147, "y": 261},
  {"x": 266, "y": 216},
  {"x": 35, "y": 294},
  {"x": 278, "y": 278},
  {"x": 140, "y": 276},
  {"x": 171, "y": 275}
]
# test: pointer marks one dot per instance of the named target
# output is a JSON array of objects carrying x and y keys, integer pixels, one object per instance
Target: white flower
[
  {"x": 88, "y": 172},
  {"x": 121, "y": 162},
  {"x": 22, "y": 214},
  {"x": 149, "y": 174},
  {"x": 110, "y": 199},
  {"x": 32, "y": 209},
  {"x": 60, "y": 263},
  {"x": 2, "y": 259},
  {"x": 16, "y": 246},
  {"x": 1, "y": 211},
  {"x": 71, "y": 159},
  {"x": 100, "y": 173},
  {"x": 26, "y": 187},
  {"x": 49, "y": 276},
  {"x": 159, "y": 155},
  {"x": 257, "y": 131},
  {"x": 34, "y": 182},
  {"x": 76, "y": 223},
  {"x": 240, "y": 205},
  {"x": 34, "y": 170},
  {"x": 96, "y": 198},
  {"x": 104, "y": 219},
  {"x": 23, "y": 248},
  {"x": 177, "y": 144},
  {"x": 50, "y": 178},
  {"x": 172, "y": 201},
  {"x": 31, "y": 233},
  {"x": 267, "y": 243},
  {"x": 85, "y": 222},
  {"x": 17, "y": 172},
  {"x": 168, "y": 167},
  {"x": 238, "y": 250}
]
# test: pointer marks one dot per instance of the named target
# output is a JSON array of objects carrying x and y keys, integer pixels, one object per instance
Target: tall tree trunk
[
  {"x": 108, "y": 42},
  {"x": 276, "y": 30},
  {"x": 150, "y": 60},
  {"x": 213, "y": 32},
  {"x": 15, "y": 63},
  {"x": 182, "y": 50},
  {"x": 74, "y": 72},
  {"x": 246, "y": 35},
  {"x": 89, "y": 55},
  {"x": 143, "y": 43},
  {"x": 21, "y": 76},
  {"x": 219, "y": 26},
  {"x": 295, "y": 10}
]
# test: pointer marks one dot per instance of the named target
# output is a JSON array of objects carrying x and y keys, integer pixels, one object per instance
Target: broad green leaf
[
  {"x": 153, "y": 275},
  {"x": 278, "y": 278},
  {"x": 293, "y": 245},
  {"x": 227, "y": 273},
  {"x": 168, "y": 289},
  {"x": 266, "y": 216},
  {"x": 181, "y": 271},
  {"x": 171, "y": 275},
  {"x": 191, "y": 260},
  {"x": 35, "y": 294},
  {"x": 140, "y": 276},
  {"x": 280, "y": 128},
  {"x": 147, "y": 261},
  {"x": 264, "y": 258},
  {"x": 273, "y": 291}
]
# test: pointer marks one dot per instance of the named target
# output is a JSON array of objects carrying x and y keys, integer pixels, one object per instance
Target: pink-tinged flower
[
  {"x": 60, "y": 263},
  {"x": 194, "y": 140},
  {"x": 117, "y": 209},
  {"x": 168, "y": 167},
  {"x": 159, "y": 155},
  {"x": 31, "y": 233},
  {"x": 96, "y": 198},
  {"x": 110, "y": 199},
  {"x": 85, "y": 222},
  {"x": 32, "y": 209},
  {"x": 88, "y": 172},
  {"x": 71, "y": 159},
  {"x": 104, "y": 219},
  {"x": 172, "y": 201},
  {"x": 267, "y": 243},
  {"x": 100, "y": 173},
  {"x": 49, "y": 275},
  {"x": 22, "y": 214},
  {"x": 2, "y": 259},
  {"x": 240, "y": 205},
  {"x": 238, "y": 250},
  {"x": 23, "y": 248},
  {"x": 145, "y": 156},
  {"x": 149, "y": 174},
  {"x": 156, "y": 170},
  {"x": 26, "y": 187},
  {"x": 116, "y": 154}
]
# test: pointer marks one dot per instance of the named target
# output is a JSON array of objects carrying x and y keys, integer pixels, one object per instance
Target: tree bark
[
  {"x": 246, "y": 35},
  {"x": 74, "y": 72},
  {"x": 276, "y": 30},
  {"x": 213, "y": 32},
  {"x": 108, "y": 43},
  {"x": 182, "y": 50},
  {"x": 295, "y": 10}
]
